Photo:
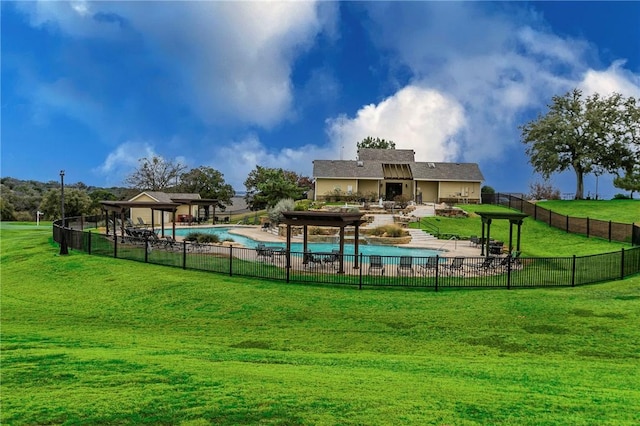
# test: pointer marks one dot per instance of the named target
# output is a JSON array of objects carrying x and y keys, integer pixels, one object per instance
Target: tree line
[{"x": 21, "y": 200}]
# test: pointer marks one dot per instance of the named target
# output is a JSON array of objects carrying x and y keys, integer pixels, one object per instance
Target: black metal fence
[
  {"x": 612, "y": 231},
  {"x": 365, "y": 271}
]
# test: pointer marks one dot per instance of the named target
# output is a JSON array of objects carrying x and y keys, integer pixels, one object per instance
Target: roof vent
[
  {"x": 360, "y": 163},
  {"x": 431, "y": 165}
]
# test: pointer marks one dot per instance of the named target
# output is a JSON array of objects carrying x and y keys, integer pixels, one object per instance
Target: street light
[{"x": 63, "y": 239}]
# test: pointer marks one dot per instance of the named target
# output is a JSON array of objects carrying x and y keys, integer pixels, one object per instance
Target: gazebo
[
  {"x": 331, "y": 219},
  {"x": 488, "y": 217}
]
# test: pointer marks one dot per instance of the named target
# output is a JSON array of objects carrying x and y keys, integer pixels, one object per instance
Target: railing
[
  {"x": 394, "y": 271},
  {"x": 611, "y": 231}
]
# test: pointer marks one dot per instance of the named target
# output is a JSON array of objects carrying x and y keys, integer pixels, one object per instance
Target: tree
[
  {"x": 376, "y": 143},
  {"x": 543, "y": 191},
  {"x": 209, "y": 183},
  {"x": 266, "y": 186},
  {"x": 155, "y": 174},
  {"x": 76, "y": 203},
  {"x": 630, "y": 181},
  {"x": 7, "y": 211},
  {"x": 579, "y": 134},
  {"x": 100, "y": 195}
]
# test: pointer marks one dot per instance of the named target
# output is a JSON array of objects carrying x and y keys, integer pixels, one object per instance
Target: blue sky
[{"x": 91, "y": 87}]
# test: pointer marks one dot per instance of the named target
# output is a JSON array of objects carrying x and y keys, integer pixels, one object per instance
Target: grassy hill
[
  {"x": 91, "y": 340},
  {"x": 538, "y": 239}
]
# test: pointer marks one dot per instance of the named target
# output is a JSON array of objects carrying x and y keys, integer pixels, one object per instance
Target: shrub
[
  {"x": 543, "y": 191},
  {"x": 389, "y": 231},
  {"x": 621, "y": 197},
  {"x": 285, "y": 205},
  {"x": 317, "y": 230},
  {"x": 487, "y": 190},
  {"x": 402, "y": 201},
  {"x": 201, "y": 237},
  {"x": 303, "y": 205}
]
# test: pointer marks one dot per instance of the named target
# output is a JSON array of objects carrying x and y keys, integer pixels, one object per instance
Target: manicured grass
[
  {"x": 622, "y": 211},
  {"x": 538, "y": 239},
  {"x": 94, "y": 340}
]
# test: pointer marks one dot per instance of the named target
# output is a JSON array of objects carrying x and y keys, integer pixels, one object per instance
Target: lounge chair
[
  {"x": 429, "y": 267},
  {"x": 485, "y": 265},
  {"x": 266, "y": 226},
  {"x": 263, "y": 252},
  {"x": 170, "y": 243},
  {"x": 513, "y": 259},
  {"x": 406, "y": 265},
  {"x": 455, "y": 267},
  {"x": 310, "y": 260},
  {"x": 333, "y": 258},
  {"x": 141, "y": 223},
  {"x": 474, "y": 241},
  {"x": 375, "y": 264}
]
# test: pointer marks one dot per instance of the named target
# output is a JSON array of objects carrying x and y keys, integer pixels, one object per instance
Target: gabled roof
[
  {"x": 447, "y": 171},
  {"x": 387, "y": 155},
  {"x": 163, "y": 197},
  {"x": 373, "y": 169}
]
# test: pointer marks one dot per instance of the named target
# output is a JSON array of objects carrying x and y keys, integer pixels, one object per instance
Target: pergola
[
  {"x": 513, "y": 218},
  {"x": 198, "y": 202},
  {"x": 331, "y": 219}
]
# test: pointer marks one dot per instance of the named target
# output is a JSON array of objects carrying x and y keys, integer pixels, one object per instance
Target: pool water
[{"x": 366, "y": 249}]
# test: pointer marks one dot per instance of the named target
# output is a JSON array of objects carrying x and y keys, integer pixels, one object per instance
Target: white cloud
[
  {"x": 231, "y": 61},
  {"x": 415, "y": 118},
  {"x": 239, "y": 158},
  {"x": 123, "y": 160},
  {"x": 613, "y": 79},
  {"x": 500, "y": 67}
]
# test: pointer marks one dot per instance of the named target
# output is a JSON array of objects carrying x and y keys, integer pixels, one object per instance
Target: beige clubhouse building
[{"x": 387, "y": 173}]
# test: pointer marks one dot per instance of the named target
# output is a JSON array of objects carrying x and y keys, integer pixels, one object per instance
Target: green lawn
[
  {"x": 538, "y": 239},
  {"x": 622, "y": 211},
  {"x": 93, "y": 340}
]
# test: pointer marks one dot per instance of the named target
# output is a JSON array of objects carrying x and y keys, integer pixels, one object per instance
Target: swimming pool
[{"x": 366, "y": 249}]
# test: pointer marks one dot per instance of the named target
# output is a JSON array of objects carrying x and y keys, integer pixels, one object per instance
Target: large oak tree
[
  {"x": 266, "y": 186},
  {"x": 155, "y": 174},
  {"x": 209, "y": 183},
  {"x": 582, "y": 134}
]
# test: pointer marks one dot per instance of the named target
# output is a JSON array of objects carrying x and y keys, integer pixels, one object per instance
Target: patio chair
[
  {"x": 333, "y": 258},
  {"x": 141, "y": 223},
  {"x": 456, "y": 266},
  {"x": 266, "y": 226},
  {"x": 171, "y": 243},
  {"x": 263, "y": 253},
  {"x": 484, "y": 266},
  {"x": 429, "y": 267},
  {"x": 474, "y": 241},
  {"x": 310, "y": 260},
  {"x": 513, "y": 258},
  {"x": 406, "y": 265},
  {"x": 375, "y": 264}
]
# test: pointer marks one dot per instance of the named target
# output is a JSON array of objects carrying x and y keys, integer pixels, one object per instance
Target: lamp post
[{"x": 63, "y": 239}]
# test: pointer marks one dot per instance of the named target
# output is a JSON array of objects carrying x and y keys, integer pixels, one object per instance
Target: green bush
[
  {"x": 389, "y": 231},
  {"x": 621, "y": 197},
  {"x": 201, "y": 237}
]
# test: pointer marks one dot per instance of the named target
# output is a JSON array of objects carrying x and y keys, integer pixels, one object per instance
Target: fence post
[
  {"x": 509, "y": 271},
  {"x": 360, "y": 272},
  {"x": 573, "y": 272},
  {"x": 437, "y": 269},
  {"x": 567, "y": 224},
  {"x": 147, "y": 249},
  {"x": 549, "y": 217},
  {"x": 184, "y": 254},
  {"x": 535, "y": 212},
  {"x": 231, "y": 260},
  {"x": 622, "y": 264}
]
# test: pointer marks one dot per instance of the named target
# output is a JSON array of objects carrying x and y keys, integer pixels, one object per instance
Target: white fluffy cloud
[
  {"x": 231, "y": 61},
  {"x": 414, "y": 118},
  {"x": 613, "y": 79}
]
